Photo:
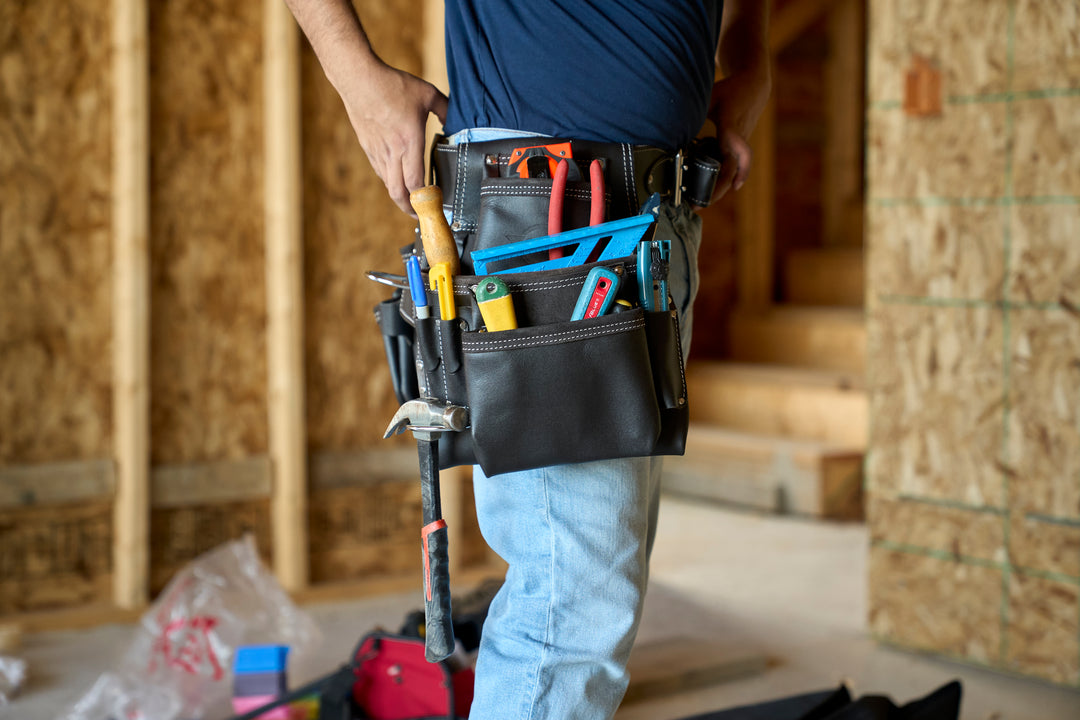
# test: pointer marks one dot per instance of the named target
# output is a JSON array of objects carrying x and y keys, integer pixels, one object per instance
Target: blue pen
[{"x": 416, "y": 287}]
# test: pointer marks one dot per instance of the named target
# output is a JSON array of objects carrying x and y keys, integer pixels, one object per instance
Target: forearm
[
  {"x": 744, "y": 39},
  {"x": 743, "y": 57},
  {"x": 338, "y": 39}
]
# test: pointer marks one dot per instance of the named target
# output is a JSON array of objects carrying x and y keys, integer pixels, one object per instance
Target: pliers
[{"x": 558, "y": 195}]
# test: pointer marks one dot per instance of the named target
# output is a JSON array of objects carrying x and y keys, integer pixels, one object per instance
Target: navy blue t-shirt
[{"x": 637, "y": 71}]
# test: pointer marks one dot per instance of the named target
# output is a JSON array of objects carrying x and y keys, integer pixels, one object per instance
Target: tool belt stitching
[
  {"x": 628, "y": 176},
  {"x": 553, "y": 338},
  {"x": 576, "y": 194},
  {"x": 657, "y": 173},
  {"x": 442, "y": 365},
  {"x": 459, "y": 199}
]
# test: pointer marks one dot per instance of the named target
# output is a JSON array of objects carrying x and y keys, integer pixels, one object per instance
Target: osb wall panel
[
  {"x": 208, "y": 367},
  {"x": 934, "y": 604},
  {"x": 1045, "y": 148},
  {"x": 55, "y": 253},
  {"x": 350, "y": 225},
  {"x": 938, "y": 156},
  {"x": 1044, "y": 628},
  {"x": 54, "y": 557},
  {"x": 1044, "y": 397},
  {"x": 936, "y": 394},
  {"x": 974, "y": 282},
  {"x": 359, "y": 533},
  {"x": 179, "y": 535},
  {"x": 955, "y": 531},
  {"x": 962, "y": 38},
  {"x": 940, "y": 252},
  {"x": 1044, "y": 266},
  {"x": 1047, "y": 44}
]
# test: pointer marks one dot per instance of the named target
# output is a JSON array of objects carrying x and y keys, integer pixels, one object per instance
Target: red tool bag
[
  {"x": 387, "y": 678},
  {"x": 395, "y": 682}
]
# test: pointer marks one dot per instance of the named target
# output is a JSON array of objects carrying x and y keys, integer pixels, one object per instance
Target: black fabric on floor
[{"x": 942, "y": 704}]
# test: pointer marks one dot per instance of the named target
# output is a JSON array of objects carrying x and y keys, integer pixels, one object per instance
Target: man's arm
[
  {"x": 388, "y": 107},
  {"x": 743, "y": 57}
]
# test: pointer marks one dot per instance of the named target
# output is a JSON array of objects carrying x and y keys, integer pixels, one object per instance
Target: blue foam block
[{"x": 260, "y": 659}]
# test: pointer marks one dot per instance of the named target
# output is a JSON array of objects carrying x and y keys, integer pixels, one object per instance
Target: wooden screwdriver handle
[{"x": 439, "y": 246}]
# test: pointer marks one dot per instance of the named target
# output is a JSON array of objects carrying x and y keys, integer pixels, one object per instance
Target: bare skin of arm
[
  {"x": 388, "y": 108},
  {"x": 743, "y": 57}
]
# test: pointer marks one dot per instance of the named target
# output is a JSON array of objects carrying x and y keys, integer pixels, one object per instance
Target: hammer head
[{"x": 428, "y": 415}]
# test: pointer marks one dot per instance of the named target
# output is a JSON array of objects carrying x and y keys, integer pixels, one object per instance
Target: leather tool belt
[
  {"x": 551, "y": 390},
  {"x": 470, "y": 173}
]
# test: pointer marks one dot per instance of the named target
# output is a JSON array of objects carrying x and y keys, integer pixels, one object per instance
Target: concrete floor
[{"x": 789, "y": 589}]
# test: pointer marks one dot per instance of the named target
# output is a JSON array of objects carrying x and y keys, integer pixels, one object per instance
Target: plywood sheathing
[
  {"x": 1043, "y": 268},
  {"x": 1044, "y": 629},
  {"x": 935, "y": 603},
  {"x": 1047, "y": 45},
  {"x": 1044, "y": 422},
  {"x": 1044, "y": 156},
  {"x": 366, "y": 532},
  {"x": 208, "y": 352},
  {"x": 54, "y": 557},
  {"x": 350, "y": 225},
  {"x": 181, "y": 534},
  {"x": 961, "y": 38},
  {"x": 967, "y": 145},
  {"x": 936, "y": 394},
  {"x": 937, "y": 252},
  {"x": 974, "y": 332},
  {"x": 55, "y": 251}
]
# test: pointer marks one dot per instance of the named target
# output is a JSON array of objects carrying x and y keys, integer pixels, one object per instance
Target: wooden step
[
  {"x": 824, "y": 405},
  {"x": 774, "y": 474},
  {"x": 824, "y": 276},
  {"x": 828, "y": 338}
]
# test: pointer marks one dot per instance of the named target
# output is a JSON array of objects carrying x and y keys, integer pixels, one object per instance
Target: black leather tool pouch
[
  {"x": 562, "y": 393},
  {"x": 554, "y": 391},
  {"x": 513, "y": 209}
]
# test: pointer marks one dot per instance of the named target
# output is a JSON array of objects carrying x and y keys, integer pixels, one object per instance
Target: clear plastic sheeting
[
  {"x": 179, "y": 664},
  {"x": 12, "y": 676}
]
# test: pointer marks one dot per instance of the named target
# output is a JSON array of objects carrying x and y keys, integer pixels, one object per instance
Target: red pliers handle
[{"x": 558, "y": 195}]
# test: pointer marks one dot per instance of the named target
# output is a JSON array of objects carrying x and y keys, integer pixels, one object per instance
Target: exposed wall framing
[{"x": 188, "y": 352}]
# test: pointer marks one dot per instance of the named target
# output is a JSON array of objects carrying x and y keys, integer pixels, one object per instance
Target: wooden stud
[
  {"x": 285, "y": 295},
  {"x": 792, "y": 19},
  {"x": 756, "y": 204},
  {"x": 131, "y": 293},
  {"x": 842, "y": 170}
]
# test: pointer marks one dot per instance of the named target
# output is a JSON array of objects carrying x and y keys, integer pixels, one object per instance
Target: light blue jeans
[{"x": 577, "y": 540}]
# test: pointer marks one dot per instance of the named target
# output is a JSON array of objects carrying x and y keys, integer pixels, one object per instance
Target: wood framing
[
  {"x": 842, "y": 169},
  {"x": 285, "y": 295},
  {"x": 756, "y": 221},
  {"x": 55, "y": 483},
  {"x": 131, "y": 329}
]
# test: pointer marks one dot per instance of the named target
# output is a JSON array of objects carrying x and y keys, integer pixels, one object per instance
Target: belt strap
[{"x": 634, "y": 172}]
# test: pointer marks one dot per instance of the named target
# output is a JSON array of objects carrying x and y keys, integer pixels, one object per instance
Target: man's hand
[{"x": 388, "y": 109}]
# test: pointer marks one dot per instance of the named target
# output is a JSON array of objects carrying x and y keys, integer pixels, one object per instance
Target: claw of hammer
[{"x": 428, "y": 415}]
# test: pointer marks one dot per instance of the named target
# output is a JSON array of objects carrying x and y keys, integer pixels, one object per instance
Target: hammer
[{"x": 427, "y": 418}]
